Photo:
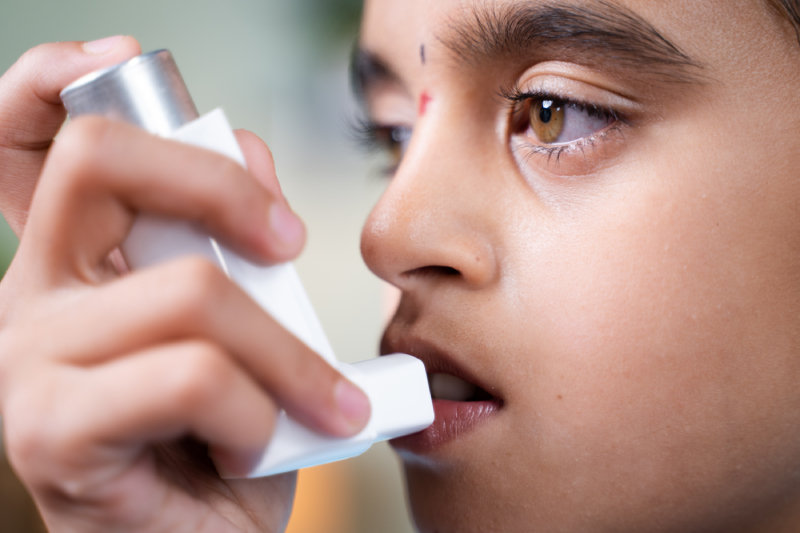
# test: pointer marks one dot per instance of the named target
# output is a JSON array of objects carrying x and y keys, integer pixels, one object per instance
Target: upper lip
[{"x": 436, "y": 360}]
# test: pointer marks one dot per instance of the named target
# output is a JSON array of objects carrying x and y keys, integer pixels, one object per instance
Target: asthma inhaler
[{"x": 149, "y": 92}]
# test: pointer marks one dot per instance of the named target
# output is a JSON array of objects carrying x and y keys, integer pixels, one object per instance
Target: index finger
[{"x": 31, "y": 112}]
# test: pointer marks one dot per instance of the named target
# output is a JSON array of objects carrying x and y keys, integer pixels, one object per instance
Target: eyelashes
[
  {"x": 516, "y": 98},
  {"x": 540, "y": 122},
  {"x": 389, "y": 139},
  {"x": 550, "y": 125}
]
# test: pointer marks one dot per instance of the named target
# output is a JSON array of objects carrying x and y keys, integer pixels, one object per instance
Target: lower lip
[{"x": 454, "y": 420}]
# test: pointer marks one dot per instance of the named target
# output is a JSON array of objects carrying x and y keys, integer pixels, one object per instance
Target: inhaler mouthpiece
[{"x": 148, "y": 91}]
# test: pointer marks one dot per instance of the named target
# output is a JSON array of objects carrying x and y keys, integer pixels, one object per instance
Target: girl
[{"x": 592, "y": 221}]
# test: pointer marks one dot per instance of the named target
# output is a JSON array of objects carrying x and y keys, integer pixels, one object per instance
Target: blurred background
[{"x": 279, "y": 69}]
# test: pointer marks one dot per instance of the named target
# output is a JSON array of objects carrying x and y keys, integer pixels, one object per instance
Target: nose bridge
[{"x": 437, "y": 211}]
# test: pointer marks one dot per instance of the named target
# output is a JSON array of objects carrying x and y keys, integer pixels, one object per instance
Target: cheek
[
  {"x": 646, "y": 344},
  {"x": 665, "y": 341}
]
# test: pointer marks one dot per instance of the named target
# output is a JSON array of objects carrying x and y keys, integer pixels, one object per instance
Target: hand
[{"x": 113, "y": 387}]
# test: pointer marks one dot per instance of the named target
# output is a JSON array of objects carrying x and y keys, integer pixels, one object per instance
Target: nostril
[{"x": 433, "y": 270}]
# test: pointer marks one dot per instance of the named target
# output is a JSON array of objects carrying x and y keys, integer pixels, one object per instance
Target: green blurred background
[{"x": 279, "y": 69}]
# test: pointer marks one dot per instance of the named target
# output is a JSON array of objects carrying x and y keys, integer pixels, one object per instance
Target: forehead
[{"x": 715, "y": 33}]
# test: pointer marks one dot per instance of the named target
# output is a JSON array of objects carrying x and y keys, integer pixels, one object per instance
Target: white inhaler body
[{"x": 149, "y": 92}]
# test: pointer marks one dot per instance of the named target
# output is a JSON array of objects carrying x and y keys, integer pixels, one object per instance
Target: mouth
[
  {"x": 452, "y": 388},
  {"x": 461, "y": 402}
]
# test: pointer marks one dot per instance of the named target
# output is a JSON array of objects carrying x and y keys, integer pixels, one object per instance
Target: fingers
[
  {"x": 106, "y": 415},
  {"x": 101, "y": 173},
  {"x": 84, "y": 434},
  {"x": 31, "y": 112},
  {"x": 190, "y": 387},
  {"x": 191, "y": 298}
]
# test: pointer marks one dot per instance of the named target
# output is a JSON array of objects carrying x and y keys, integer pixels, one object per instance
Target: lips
[{"x": 460, "y": 400}]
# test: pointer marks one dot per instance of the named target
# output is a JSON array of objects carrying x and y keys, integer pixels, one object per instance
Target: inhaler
[{"x": 149, "y": 92}]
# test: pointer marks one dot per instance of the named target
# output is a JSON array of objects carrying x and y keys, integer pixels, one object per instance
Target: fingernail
[
  {"x": 101, "y": 46},
  {"x": 285, "y": 224},
  {"x": 352, "y": 403}
]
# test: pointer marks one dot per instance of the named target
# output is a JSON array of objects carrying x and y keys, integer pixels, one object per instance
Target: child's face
[{"x": 617, "y": 264}]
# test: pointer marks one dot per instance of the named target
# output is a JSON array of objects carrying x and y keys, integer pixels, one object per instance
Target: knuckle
[
  {"x": 269, "y": 157},
  {"x": 14, "y": 352},
  {"x": 30, "y": 435},
  {"x": 78, "y": 151},
  {"x": 308, "y": 367},
  {"x": 7, "y": 350},
  {"x": 224, "y": 166},
  {"x": 45, "y": 443},
  {"x": 268, "y": 419},
  {"x": 205, "y": 376},
  {"x": 22, "y": 440},
  {"x": 306, "y": 375},
  {"x": 85, "y": 133},
  {"x": 263, "y": 417},
  {"x": 198, "y": 285},
  {"x": 46, "y": 438},
  {"x": 202, "y": 273},
  {"x": 34, "y": 57},
  {"x": 216, "y": 200}
]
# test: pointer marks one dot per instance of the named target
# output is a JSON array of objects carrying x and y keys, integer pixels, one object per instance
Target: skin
[{"x": 633, "y": 303}]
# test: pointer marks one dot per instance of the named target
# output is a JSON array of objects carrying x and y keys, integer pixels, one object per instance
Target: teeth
[{"x": 449, "y": 387}]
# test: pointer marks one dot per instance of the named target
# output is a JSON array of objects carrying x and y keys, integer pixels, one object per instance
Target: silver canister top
[{"x": 147, "y": 91}]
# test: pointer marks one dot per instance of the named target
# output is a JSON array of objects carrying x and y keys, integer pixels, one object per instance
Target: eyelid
[
  {"x": 589, "y": 79},
  {"x": 516, "y": 97},
  {"x": 573, "y": 91},
  {"x": 391, "y": 106}
]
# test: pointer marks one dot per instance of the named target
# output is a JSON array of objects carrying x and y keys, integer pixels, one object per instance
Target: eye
[
  {"x": 394, "y": 140},
  {"x": 550, "y": 120},
  {"x": 390, "y": 139}
]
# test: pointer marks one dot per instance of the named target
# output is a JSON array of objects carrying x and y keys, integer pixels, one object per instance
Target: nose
[{"x": 435, "y": 219}]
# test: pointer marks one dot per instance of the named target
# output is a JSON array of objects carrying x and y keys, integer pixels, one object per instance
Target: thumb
[{"x": 31, "y": 112}]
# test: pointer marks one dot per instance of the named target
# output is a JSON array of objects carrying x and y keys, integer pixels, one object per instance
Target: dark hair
[{"x": 790, "y": 10}]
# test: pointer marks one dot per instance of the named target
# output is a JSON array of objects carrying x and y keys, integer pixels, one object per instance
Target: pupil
[{"x": 545, "y": 114}]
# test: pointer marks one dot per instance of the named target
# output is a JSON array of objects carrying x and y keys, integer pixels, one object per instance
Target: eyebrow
[{"x": 600, "y": 33}]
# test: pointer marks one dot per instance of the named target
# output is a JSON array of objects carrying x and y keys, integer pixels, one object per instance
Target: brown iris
[{"x": 547, "y": 119}]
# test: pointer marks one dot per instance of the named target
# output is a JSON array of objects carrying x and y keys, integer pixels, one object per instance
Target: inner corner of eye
[{"x": 520, "y": 119}]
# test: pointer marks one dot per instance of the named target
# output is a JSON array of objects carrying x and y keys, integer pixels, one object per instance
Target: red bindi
[{"x": 424, "y": 100}]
